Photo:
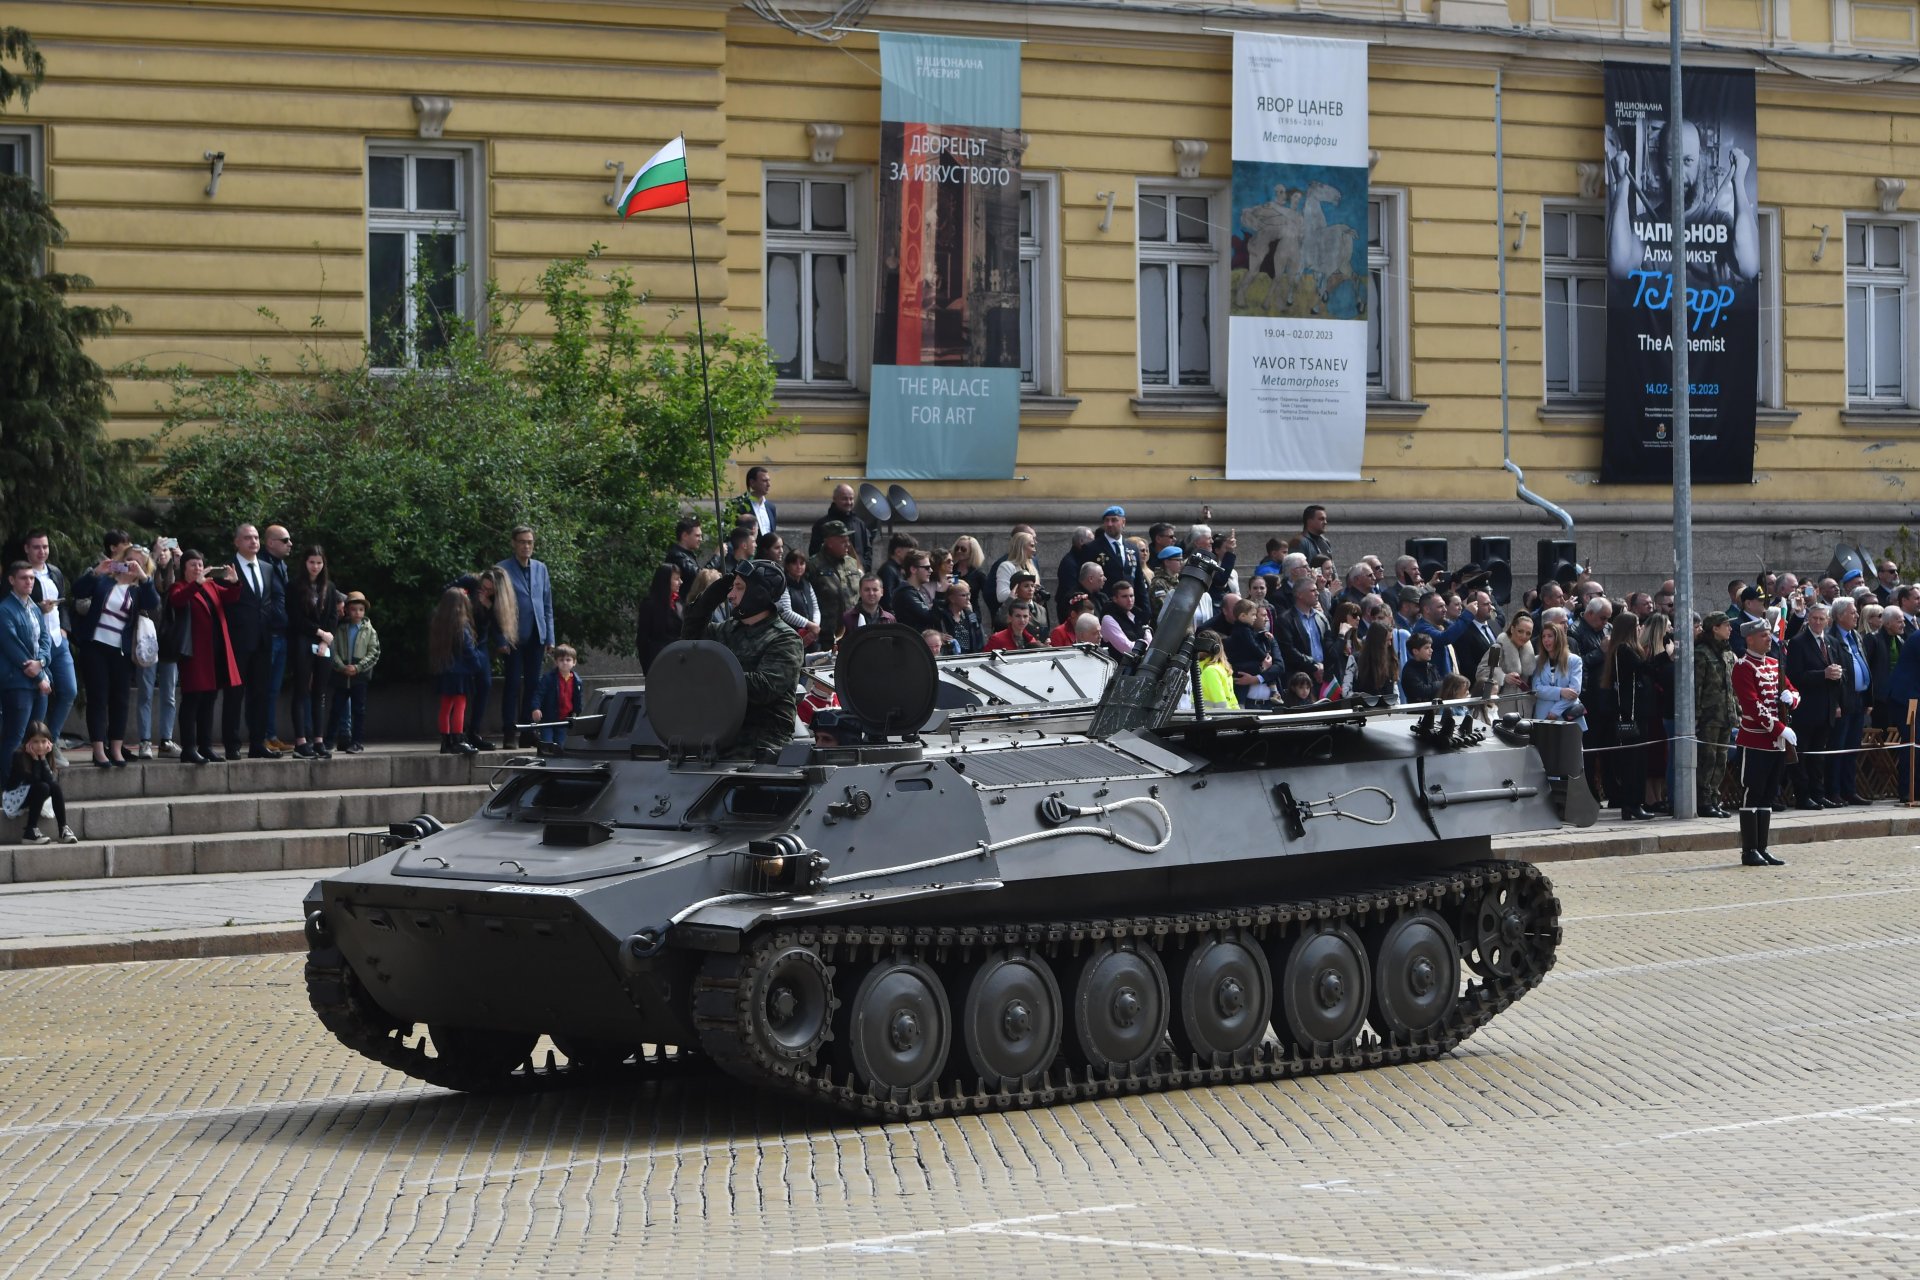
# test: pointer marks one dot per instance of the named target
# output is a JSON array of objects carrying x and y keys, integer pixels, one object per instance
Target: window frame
[
  {"x": 1571, "y": 269},
  {"x": 32, "y": 143},
  {"x": 1773, "y": 380},
  {"x": 1215, "y": 256},
  {"x": 859, "y": 281},
  {"x": 1868, "y": 277},
  {"x": 1043, "y": 250},
  {"x": 467, "y": 229},
  {"x": 1395, "y": 354}
]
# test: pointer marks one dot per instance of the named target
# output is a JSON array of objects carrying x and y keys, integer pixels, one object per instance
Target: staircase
[{"x": 160, "y": 817}]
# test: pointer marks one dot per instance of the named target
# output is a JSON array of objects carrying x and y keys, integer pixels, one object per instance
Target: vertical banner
[
  {"x": 1722, "y": 275},
  {"x": 1297, "y": 324},
  {"x": 945, "y": 403}
]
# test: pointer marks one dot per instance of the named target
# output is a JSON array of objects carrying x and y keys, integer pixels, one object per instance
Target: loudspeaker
[
  {"x": 1846, "y": 558},
  {"x": 1559, "y": 561},
  {"x": 1431, "y": 553},
  {"x": 1495, "y": 555}
]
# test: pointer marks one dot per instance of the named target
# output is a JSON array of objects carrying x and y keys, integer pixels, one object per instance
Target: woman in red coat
[{"x": 206, "y": 652}]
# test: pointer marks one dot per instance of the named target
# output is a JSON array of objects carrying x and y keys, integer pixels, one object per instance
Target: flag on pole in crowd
[{"x": 661, "y": 182}]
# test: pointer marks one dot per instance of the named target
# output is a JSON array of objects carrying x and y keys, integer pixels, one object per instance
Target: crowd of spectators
[
  {"x": 158, "y": 639},
  {"x": 1300, "y": 626}
]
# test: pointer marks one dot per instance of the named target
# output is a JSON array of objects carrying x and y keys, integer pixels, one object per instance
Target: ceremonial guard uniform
[{"x": 1761, "y": 690}]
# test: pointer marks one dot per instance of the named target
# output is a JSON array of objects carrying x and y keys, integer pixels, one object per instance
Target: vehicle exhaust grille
[{"x": 1039, "y": 766}]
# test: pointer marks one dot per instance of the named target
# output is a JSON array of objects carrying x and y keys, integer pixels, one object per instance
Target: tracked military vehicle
[{"x": 1069, "y": 894}]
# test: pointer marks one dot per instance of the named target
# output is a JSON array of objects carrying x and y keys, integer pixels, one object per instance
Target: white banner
[{"x": 1297, "y": 320}]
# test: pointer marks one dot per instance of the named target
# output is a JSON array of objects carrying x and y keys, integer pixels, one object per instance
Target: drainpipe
[{"x": 1500, "y": 241}]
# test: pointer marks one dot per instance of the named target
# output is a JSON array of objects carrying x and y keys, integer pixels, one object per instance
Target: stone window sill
[
  {"x": 1892, "y": 416},
  {"x": 1033, "y": 404},
  {"x": 1396, "y": 410},
  {"x": 1180, "y": 405}
]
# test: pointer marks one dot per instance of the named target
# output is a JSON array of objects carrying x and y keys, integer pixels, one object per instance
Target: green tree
[
  {"x": 57, "y": 466},
  {"x": 595, "y": 436}
]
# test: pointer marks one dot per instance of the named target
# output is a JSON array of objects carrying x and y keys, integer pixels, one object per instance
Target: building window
[
  {"x": 1039, "y": 310},
  {"x": 1879, "y": 327},
  {"x": 418, "y": 251},
  {"x": 810, "y": 277},
  {"x": 1574, "y": 295},
  {"x": 20, "y": 154},
  {"x": 1386, "y": 297},
  {"x": 1180, "y": 265}
]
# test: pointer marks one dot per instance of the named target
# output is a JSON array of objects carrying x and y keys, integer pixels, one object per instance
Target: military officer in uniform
[
  {"x": 770, "y": 652},
  {"x": 1762, "y": 691}
]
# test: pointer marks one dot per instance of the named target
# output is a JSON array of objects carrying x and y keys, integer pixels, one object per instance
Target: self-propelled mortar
[{"x": 1090, "y": 889}]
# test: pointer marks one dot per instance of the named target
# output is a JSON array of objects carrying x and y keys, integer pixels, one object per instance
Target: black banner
[{"x": 1722, "y": 275}]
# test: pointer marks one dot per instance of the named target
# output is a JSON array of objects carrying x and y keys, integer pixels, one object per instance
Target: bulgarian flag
[{"x": 661, "y": 182}]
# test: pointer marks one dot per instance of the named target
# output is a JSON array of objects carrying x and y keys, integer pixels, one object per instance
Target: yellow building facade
[{"x": 348, "y": 135}]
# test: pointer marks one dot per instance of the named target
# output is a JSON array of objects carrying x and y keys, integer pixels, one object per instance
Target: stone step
[
  {"x": 167, "y": 779},
  {"x": 120, "y": 820},
  {"x": 278, "y": 832},
  {"x": 225, "y": 852}
]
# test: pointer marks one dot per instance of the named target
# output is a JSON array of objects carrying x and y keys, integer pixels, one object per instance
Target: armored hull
[{"x": 1013, "y": 904}]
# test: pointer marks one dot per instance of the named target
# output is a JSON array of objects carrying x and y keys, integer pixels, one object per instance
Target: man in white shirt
[
  {"x": 50, "y": 591},
  {"x": 754, "y": 503}
]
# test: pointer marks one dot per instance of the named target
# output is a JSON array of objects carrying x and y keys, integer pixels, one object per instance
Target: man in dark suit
[
  {"x": 841, "y": 509},
  {"x": 252, "y": 621},
  {"x": 1110, "y": 551},
  {"x": 1815, "y": 666},
  {"x": 754, "y": 507},
  {"x": 1883, "y": 651},
  {"x": 1473, "y": 645},
  {"x": 1301, "y": 630},
  {"x": 1856, "y": 695}
]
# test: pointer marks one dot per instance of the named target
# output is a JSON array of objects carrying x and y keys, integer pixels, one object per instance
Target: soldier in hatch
[{"x": 770, "y": 652}]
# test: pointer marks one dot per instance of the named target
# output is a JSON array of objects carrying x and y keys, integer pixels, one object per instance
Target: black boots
[
  {"x": 1753, "y": 839},
  {"x": 455, "y": 744}
]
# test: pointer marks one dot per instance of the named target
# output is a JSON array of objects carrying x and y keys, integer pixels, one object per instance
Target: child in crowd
[
  {"x": 454, "y": 655},
  {"x": 30, "y": 784},
  {"x": 1419, "y": 678},
  {"x": 1216, "y": 674},
  {"x": 1455, "y": 686},
  {"x": 559, "y": 697},
  {"x": 1299, "y": 690},
  {"x": 355, "y": 652}
]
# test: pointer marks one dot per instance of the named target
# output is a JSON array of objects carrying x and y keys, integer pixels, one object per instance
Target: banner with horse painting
[{"x": 1297, "y": 323}]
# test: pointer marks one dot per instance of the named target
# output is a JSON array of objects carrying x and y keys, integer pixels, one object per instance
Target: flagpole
[{"x": 706, "y": 389}]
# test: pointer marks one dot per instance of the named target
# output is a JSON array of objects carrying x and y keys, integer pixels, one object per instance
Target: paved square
[{"x": 1721, "y": 1079}]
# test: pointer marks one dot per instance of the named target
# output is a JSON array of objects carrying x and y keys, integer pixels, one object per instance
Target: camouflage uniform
[
  {"x": 838, "y": 586},
  {"x": 1713, "y": 713},
  {"x": 770, "y": 654},
  {"x": 1159, "y": 588}
]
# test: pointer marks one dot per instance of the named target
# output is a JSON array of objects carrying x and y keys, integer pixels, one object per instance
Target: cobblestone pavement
[
  {"x": 55, "y": 908},
  {"x": 1721, "y": 1079}
]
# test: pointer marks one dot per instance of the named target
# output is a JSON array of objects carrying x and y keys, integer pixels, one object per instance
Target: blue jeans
[
  {"x": 166, "y": 701},
  {"x": 140, "y": 712},
  {"x": 53, "y": 708},
  {"x": 16, "y": 709},
  {"x": 274, "y": 681},
  {"x": 350, "y": 711}
]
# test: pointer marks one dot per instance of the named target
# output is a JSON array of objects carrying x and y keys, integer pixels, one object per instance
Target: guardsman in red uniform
[{"x": 1762, "y": 691}]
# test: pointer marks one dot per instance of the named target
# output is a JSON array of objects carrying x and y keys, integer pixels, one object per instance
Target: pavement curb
[
  {"x": 169, "y": 944},
  {"x": 1702, "y": 835}
]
